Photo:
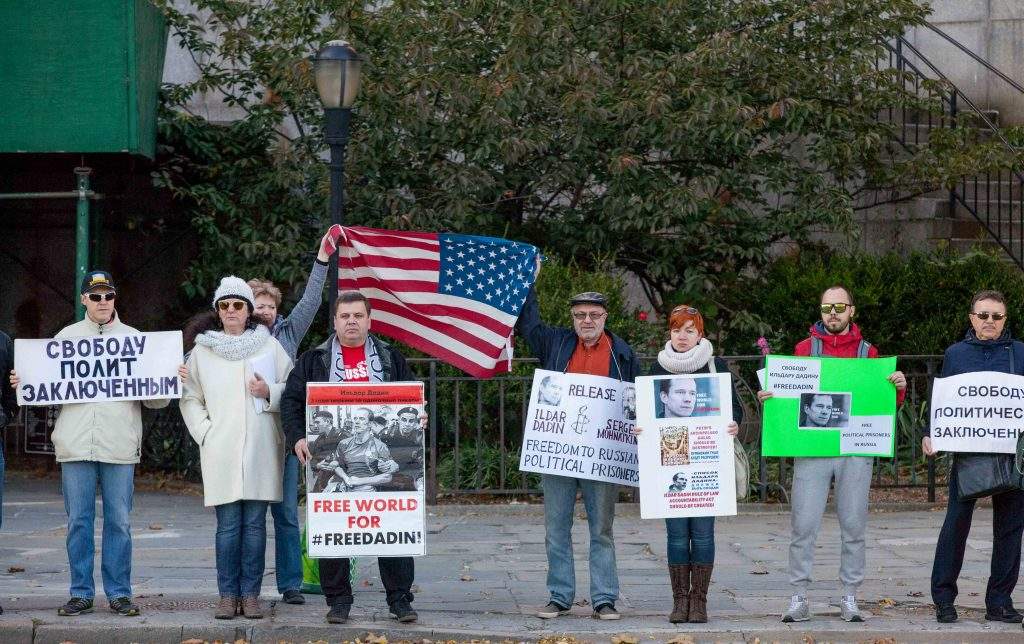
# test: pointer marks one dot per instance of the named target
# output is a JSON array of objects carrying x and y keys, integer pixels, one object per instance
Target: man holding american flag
[{"x": 585, "y": 348}]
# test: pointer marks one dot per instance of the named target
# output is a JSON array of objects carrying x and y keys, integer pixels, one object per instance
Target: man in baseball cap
[{"x": 589, "y": 349}]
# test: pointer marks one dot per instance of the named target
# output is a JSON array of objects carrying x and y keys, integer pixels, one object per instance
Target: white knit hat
[{"x": 234, "y": 287}]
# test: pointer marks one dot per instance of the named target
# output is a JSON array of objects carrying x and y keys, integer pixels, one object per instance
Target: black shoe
[
  {"x": 945, "y": 614},
  {"x": 293, "y": 596},
  {"x": 338, "y": 614},
  {"x": 75, "y": 606},
  {"x": 1007, "y": 614},
  {"x": 403, "y": 612},
  {"x": 124, "y": 606}
]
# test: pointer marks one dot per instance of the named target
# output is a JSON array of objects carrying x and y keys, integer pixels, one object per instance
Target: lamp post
[{"x": 337, "y": 68}]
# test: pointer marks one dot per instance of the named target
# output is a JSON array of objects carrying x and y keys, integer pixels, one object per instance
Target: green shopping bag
[{"x": 311, "y": 571}]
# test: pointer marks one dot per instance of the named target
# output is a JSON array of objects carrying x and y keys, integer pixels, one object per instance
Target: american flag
[{"x": 455, "y": 297}]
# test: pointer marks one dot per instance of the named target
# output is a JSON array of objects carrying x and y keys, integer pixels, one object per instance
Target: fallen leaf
[
  {"x": 680, "y": 639},
  {"x": 371, "y": 638},
  {"x": 625, "y": 639},
  {"x": 156, "y": 526},
  {"x": 367, "y": 583},
  {"x": 759, "y": 569},
  {"x": 886, "y": 602},
  {"x": 973, "y": 594},
  {"x": 915, "y": 593},
  {"x": 15, "y": 569},
  {"x": 193, "y": 641},
  {"x": 466, "y": 578}
]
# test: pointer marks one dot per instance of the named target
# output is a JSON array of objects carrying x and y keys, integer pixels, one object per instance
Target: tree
[{"x": 679, "y": 138}]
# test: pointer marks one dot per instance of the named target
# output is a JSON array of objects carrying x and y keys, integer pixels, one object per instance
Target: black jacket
[
  {"x": 8, "y": 400},
  {"x": 720, "y": 367},
  {"x": 554, "y": 346},
  {"x": 314, "y": 366}
]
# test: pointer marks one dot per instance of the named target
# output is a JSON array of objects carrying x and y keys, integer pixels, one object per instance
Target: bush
[{"x": 909, "y": 305}]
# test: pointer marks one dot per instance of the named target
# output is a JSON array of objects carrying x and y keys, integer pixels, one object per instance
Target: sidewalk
[{"x": 484, "y": 577}]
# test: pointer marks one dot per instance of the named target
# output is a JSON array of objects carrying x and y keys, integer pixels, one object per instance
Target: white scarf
[
  {"x": 235, "y": 347},
  {"x": 374, "y": 368},
  {"x": 685, "y": 361}
]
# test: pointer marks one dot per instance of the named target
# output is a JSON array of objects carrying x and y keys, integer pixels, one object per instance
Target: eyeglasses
[
  {"x": 687, "y": 309},
  {"x": 593, "y": 315},
  {"x": 235, "y": 305},
  {"x": 984, "y": 316},
  {"x": 102, "y": 297},
  {"x": 838, "y": 307}
]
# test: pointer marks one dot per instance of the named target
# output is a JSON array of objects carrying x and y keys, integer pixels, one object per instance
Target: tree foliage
[{"x": 679, "y": 138}]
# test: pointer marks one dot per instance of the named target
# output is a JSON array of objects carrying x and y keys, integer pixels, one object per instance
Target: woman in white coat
[{"x": 236, "y": 374}]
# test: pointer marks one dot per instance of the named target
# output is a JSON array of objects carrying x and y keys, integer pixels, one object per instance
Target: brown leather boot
[
  {"x": 251, "y": 607},
  {"x": 700, "y": 578},
  {"x": 680, "y": 576},
  {"x": 225, "y": 607}
]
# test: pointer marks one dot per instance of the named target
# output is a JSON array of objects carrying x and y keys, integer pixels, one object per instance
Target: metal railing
[
  {"x": 994, "y": 198},
  {"x": 476, "y": 427}
]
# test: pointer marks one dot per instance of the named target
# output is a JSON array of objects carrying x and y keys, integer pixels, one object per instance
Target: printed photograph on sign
[
  {"x": 820, "y": 410},
  {"x": 678, "y": 482},
  {"x": 686, "y": 397},
  {"x": 629, "y": 402},
  {"x": 550, "y": 391},
  {"x": 358, "y": 442},
  {"x": 675, "y": 446}
]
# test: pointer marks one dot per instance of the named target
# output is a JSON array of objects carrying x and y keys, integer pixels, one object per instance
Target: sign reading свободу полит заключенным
[
  {"x": 130, "y": 366},
  {"x": 581, "y": 426}
]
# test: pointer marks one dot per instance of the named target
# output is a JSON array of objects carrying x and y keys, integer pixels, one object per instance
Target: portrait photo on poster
[
  {"x": 550, "y": 391},
  {"x": 629, "y": 403},
  {"x": 686, "y": 397},
  {"x": 365, "y": 448},
  {"x": 821, "y": 410},
  {"x": 675, "y": 445}
]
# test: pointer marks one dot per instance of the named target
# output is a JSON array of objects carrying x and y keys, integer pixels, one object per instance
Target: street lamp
[{"x": 337, "y": 69}]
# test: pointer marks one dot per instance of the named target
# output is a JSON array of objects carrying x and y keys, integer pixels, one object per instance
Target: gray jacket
[{"x": 290, "y": 330}]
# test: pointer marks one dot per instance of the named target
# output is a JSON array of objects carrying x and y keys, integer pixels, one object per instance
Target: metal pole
[
  {"x": 81, "y": 236},
  {"x": 336, "y": 122}
]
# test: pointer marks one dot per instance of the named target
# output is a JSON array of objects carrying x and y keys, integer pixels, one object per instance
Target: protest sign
[
  {"x": 580, "y": 426},
  {"x": 131, "y": 366},
  {"x": 977, "y": 412},
  {"x": 829, "y": 407},
  {"x": 364, "y": 481},
  {"x": 685, "y": 452}
]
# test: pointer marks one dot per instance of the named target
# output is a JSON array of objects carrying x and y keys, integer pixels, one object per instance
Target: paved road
[{"x": 485, "y": 575}]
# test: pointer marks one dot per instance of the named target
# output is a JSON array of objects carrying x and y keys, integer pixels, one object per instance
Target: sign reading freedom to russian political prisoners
[
  {"x": 977, "y": 412},
  {"x": 829, "y": 407},
  {"x": 364, "y": 481},
  {"x": 581, "y": 426},
  {"x": 687, "y": 466},
  {"x": 131, "y": 366}
]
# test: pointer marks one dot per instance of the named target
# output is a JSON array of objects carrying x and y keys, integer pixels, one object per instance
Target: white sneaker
[
  {"x": 849, "y": 610},
  {"x": 799, "y": 611}
]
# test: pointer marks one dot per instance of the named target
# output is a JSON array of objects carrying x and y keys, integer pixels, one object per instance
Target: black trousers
[
  {"x": 396, "y": 573},
  {"x": 1007, "y": 526}
]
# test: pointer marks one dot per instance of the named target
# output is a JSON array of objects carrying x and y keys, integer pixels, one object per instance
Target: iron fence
[{"x": 475, "y": 429}]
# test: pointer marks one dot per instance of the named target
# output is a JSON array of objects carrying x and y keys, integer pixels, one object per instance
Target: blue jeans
[
  {"x": 559, "y": 501},
  {"x": 241, "y": 547},
  {"x": 287, "y": 550},
  {"x": 691, "y": 540},
  {"x": 78, "y": 483}
]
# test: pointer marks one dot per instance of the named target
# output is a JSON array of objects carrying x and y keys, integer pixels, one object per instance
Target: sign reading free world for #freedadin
[{"x": 829, "y": 407}]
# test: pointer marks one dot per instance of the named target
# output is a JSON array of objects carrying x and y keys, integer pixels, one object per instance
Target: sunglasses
[
  {"x": 839, "y": 307},
  {"x": 688, "y": 309},
  {"x": 985, "y": 316},
  {"x": 593, "y": 316},
  {"x": 102, "y": 297},
  {"x": 235, "y": 305}
]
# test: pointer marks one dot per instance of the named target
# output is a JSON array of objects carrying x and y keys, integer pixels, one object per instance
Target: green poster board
[{"x": 829, "y": 407}]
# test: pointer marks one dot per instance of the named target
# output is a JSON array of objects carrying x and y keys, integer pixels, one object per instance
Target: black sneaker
[
  {"x": 945, "y": 614},
  {"x": 552, "y": 610},
  {"x": 124, "y": 606},
  {"x": 338, "y": 614},
  {"x": 403, "y": 612},
  {"x": 1007, "y": 614},
  {"x": 292, "y": 596},
  {"x": 75, "y": 606}
]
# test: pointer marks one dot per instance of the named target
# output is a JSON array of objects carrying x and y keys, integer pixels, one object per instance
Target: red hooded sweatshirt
[{"x": 839, "y": 346}]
